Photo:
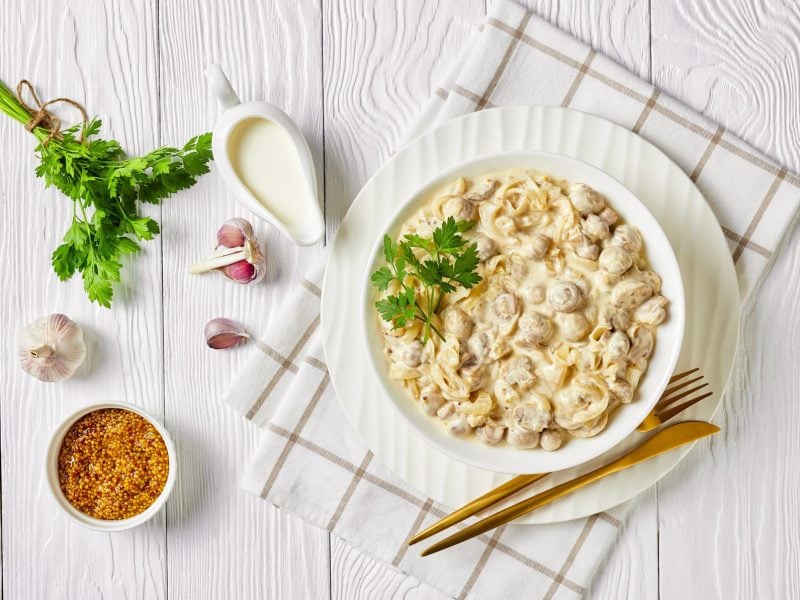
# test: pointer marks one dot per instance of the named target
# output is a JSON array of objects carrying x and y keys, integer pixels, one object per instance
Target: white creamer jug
[{"x": 265, "y": 160}]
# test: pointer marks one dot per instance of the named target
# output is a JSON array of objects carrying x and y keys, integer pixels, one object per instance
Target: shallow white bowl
[
  {"x": 504, "y": 458},
  {"x": 51, "y": 470}
]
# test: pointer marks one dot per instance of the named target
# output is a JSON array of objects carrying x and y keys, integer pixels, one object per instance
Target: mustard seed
[{"x": 113, "y": 464}]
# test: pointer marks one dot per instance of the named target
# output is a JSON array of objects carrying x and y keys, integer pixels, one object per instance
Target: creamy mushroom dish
[{"x": 558, "y": 331}]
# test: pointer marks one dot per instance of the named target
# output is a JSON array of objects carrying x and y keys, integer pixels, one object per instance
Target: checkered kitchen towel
[{"x": 313, "y": 463}]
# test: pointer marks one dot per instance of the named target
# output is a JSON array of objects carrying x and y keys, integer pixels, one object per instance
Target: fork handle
[
  {"x": 514, "y": 511},
  {"x": 663, "y": 441},
  {"x": 512, "y": 486}
]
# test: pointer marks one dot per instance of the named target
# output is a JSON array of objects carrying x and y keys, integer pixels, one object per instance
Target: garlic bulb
[
  {"x": 51, "y": 348},
  {"x": 237, "y": 256}
]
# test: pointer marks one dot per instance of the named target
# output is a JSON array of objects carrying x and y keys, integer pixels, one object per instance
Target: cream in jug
[{"x": 266, "y": 162}]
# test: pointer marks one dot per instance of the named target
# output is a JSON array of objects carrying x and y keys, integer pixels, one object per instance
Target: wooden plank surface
[
  {"x": 222, "y": 542},
  {"x": 728, "y": 517},
  {"x": 353, "y": 73},
  {"x": 108, "y": 60}
]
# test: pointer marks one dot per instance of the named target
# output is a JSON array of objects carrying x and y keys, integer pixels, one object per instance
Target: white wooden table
[{"x": 353, "y": 73}]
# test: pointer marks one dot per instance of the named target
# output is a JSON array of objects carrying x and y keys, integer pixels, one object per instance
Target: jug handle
[{"x": 221, "y": 87}]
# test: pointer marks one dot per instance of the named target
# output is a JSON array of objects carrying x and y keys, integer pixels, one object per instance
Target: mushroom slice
[
  {"x": 564, "y": 296},
  {"x": 506, "y": 308},
  {"x": 532, "y": 415},
  {"x": 628, "y": 237},
  {"x": 615, "y": 260},
  {"x": 534, "y": 329},
  {"x": 472, "y": 372},
  {"x": 622, "y": 390},
  {"x": 408, "y": 353},
  {"x": 617, "y": 346},
  {"x": 585, "y": 200},
  {"x": 652, "y": 311},
  {"x": 457, "y": 322},
  {"x": 520, "y": 438},
  {"x": 642, "y": 343},
  {"x": 609, "y": 215},
  {"x": 536, "y": 247},
  {"x": 550, "y": 439},
  {"x": 491, "y": 434},
  {"x": 460, "y": 208},
  {"x": 653, "y": 280},
  {"x": 483, "y": 191},
  {"x": 573, "y": 326},
  {"x": 487, "y": 346},
  {"x": 618, "y": 318},
  {"x": 630, "y": 294},
  {"x": 486, "y": 247},
  {"x": 519, "y": 372},
  {"x": 587, "y": 249},
  {"x": 459, "y": 426},
  {"x": 596, "y": 228}
]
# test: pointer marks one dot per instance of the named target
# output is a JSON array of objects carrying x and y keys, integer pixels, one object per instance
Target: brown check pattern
[
  {"x": 312, "y": 461},
  {"x": 427, "y": 508},
  {"x": 753, "y": 241},
  {"x": 296, "y": 436},
  {"x": 305, "y": 442}
]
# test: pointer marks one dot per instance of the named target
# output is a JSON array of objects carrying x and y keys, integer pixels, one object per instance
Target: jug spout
[{"x": 221, "y": 87}]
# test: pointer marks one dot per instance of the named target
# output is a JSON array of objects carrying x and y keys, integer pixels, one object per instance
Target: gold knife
[
  {"x": 512, "y": 486},
  {"x": 663, "y": 441}
]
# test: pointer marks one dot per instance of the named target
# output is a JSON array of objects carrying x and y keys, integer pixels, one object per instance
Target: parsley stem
[{"x": 437, "y": 332}]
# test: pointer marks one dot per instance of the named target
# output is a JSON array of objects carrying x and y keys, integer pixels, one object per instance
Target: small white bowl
[
  {"x": 51, "y": 470},
  {"x": 504, "y": 458}
]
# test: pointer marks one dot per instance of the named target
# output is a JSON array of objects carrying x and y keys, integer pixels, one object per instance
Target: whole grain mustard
[{"x": 113, "y": 464}]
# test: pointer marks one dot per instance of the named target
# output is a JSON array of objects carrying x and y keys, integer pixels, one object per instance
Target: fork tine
[
  {"x": 679, "y": 376},
  {"x": 668, "y": 414},
  {"x": 681, "y": 385},
  {"x": 667, "y": 400}
]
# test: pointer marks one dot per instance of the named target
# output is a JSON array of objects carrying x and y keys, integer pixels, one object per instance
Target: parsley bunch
[
  {"x": 440, "y": 263},
  {"x": 106, "y": 188}
]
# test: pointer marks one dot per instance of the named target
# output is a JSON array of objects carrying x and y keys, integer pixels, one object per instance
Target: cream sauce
[
  {"x": 559, "y": 330},
  {"x": 265, "y": 159}
]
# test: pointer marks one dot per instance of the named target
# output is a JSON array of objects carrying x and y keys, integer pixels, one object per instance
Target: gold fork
[{"x": 662, "y": 412}]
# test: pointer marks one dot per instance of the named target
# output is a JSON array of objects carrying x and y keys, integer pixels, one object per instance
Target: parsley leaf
[
  {"x": 382, "y": 278},
  {"x": 442, "y": 262},
  {"x": 107, "y": 188}
]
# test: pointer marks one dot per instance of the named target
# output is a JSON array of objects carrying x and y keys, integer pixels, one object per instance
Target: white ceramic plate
[
  {"x": 503, "y": 457},
  {"x": 709, "y": 279}
]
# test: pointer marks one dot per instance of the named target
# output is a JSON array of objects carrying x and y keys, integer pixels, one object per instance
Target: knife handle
[
  {"x": 663, "y": 441},
  {"x": 512, "y": 486}
]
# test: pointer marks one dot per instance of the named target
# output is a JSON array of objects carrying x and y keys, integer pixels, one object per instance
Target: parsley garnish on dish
[{"x": 440, "y": 264}]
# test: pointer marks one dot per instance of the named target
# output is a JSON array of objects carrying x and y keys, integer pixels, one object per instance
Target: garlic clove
[
  {"x": 224, "y": 333},
  {"x": 51, "y": 348},
  {"x": 243, "y": 263},
  {"x": 240, "y": 272},
  {"x": 250, "y": 269},
  {"x": 234, "y": 233}
]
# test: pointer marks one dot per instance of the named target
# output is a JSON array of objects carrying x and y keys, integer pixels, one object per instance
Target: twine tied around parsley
[
  {"x": 41, "y": 117},
  {"x": 105, "y": 186}
]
